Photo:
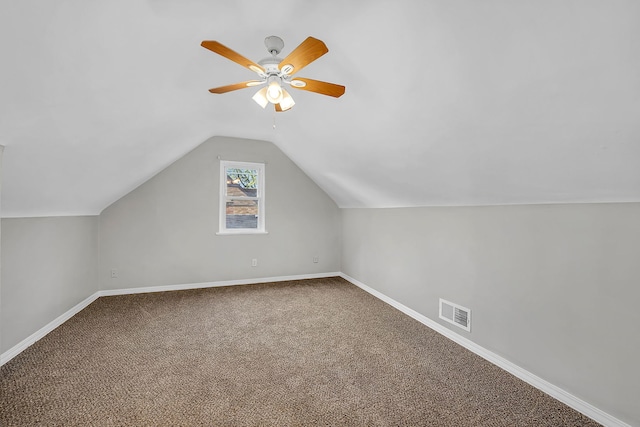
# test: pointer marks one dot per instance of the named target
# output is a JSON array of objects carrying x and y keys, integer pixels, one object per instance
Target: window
[{"x": 241, "y": 198}]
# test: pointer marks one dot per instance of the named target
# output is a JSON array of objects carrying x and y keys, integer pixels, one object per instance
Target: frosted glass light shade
[
  {"x": 287, "y": 101},
  {"x": 261, "y": 97}
]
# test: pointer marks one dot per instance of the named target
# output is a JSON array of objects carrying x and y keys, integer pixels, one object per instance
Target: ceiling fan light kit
[{"x": 275, "y": 72}]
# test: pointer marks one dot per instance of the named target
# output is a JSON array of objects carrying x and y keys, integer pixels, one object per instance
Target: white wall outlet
[
  {"x": 254, "y": 262},
  {"x": 114, "y": 273},
  {"x": 316, "y": 259}
]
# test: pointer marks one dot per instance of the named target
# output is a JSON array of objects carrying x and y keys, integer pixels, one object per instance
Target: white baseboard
[
  {"x": 40, "y": 333},
  {"x": 537, "y": 382},
  {"x": 182, "y": 287}
]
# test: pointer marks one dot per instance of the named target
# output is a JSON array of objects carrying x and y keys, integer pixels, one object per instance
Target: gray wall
[
  {"x": 48, "y": 266},
  {"x": 552, "y": 288},
  {"x": 164, "y": 232},
  {"x": 1, "y": 152}
]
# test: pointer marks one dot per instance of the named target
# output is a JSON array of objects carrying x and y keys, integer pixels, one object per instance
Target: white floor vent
[{"x": 456, "y": 314}]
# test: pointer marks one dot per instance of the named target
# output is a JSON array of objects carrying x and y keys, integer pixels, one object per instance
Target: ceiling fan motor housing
[{"x": 270, "y": 64}]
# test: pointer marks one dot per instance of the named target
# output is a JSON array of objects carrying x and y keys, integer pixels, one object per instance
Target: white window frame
[{"x": 260, "y": 198}]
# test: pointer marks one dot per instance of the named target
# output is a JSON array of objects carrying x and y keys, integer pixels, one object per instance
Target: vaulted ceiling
[{"x": 458, "y": 102}]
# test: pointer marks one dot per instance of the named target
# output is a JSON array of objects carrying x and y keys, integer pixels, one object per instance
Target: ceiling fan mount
[
  {"x": 274, "y": 71},
  {"x": 274, "y": 45}
]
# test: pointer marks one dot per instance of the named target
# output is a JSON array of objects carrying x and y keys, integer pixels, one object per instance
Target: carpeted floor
[{"x": 303, "y": 353}]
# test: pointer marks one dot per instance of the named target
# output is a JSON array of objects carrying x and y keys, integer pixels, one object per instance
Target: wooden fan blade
[
  {"x": 278, "y": 108},
  {"x": 307, "y": 52},
  {"x": 221, "y": 49},
  {"x": 323, "y": 88},
  {"x": 236, "y": 86}
]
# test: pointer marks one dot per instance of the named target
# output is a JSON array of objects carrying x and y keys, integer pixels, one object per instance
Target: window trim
[{"x": 223, "y": 198}]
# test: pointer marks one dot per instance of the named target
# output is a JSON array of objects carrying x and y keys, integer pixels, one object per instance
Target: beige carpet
[{"x": 303, "y": 353}]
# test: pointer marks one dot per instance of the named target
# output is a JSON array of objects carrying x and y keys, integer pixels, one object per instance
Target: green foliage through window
[{"x": 247, "y": 178}]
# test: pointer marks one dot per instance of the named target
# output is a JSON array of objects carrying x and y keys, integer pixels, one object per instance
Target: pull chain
[{"x": 274, "y": 119}]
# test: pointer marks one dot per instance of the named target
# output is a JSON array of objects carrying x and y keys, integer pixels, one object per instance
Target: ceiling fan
[{"x": 274, "y": 71}]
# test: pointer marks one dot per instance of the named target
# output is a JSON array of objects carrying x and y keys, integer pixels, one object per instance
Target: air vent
[{"x": 455, "y": 314}]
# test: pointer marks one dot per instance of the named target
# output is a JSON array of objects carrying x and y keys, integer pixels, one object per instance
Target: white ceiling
[{"x": 448, "y": 102}]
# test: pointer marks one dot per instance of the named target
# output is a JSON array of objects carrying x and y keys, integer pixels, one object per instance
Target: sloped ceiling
[{"x": 448, "y": 102}]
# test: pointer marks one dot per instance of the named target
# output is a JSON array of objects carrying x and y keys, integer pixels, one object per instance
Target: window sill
[{"x": 237, "y": 232}]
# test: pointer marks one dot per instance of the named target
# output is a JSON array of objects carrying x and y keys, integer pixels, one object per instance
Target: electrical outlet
[
  {"x": 316, "y": 259},
  {"x": 254, "y": 262},
  {"x": 114, "y": 273}
]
